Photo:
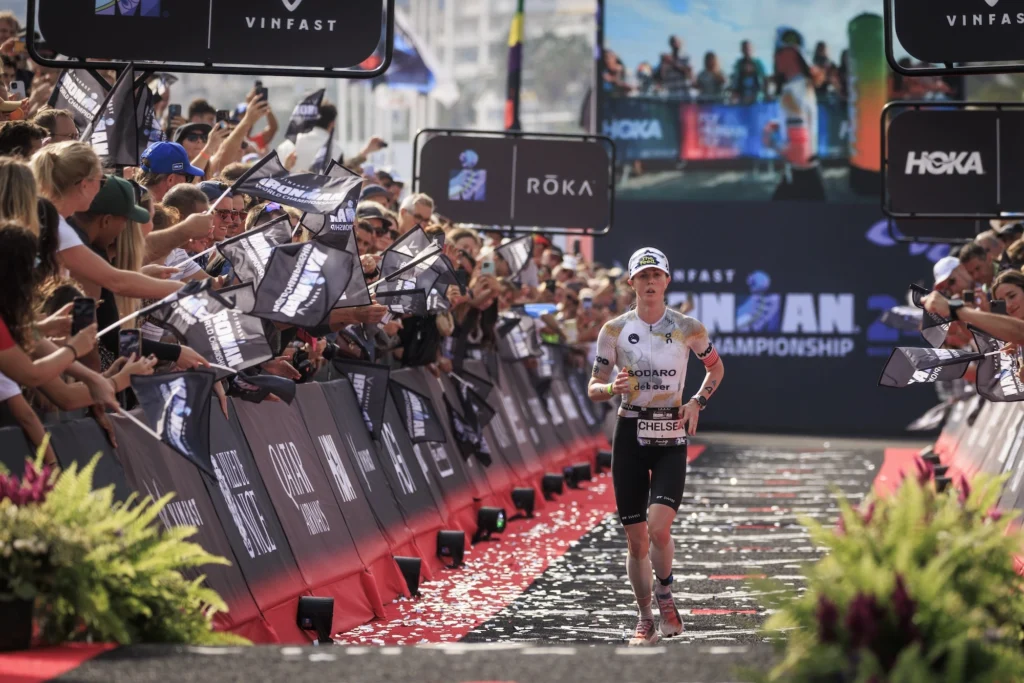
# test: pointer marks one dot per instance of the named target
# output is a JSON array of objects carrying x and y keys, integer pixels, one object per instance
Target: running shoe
[
  {"x": 671, "y": 622},
  {"x": 646, "y": 635}
]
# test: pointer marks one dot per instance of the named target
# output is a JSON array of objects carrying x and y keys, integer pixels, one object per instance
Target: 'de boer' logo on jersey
[
  {"x": 763, "y": 323},
  {"x": 468, "y": 184}
]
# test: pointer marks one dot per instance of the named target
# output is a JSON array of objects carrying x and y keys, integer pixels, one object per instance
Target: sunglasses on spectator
[
  {"x": 226, "y": 214},
  {"x": 380, "y": 232},
  {"x": 196, "y": 137}
]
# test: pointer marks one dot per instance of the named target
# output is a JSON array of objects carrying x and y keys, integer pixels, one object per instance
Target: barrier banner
[
  {"x": 489, "y": 464},
  {"x": 154, "y": 469},
  {"x": 441, "y": 459},
  {"x": 524, "y": 451},
  {"x": 417, "y": 498},
  {"x": 548, "y": 442},
  {"x": 79, "y": 441},
  {"x": 251, "y": 524},
  {"x": 334, "y": 451},
  {"x": 642, "y": 128},
  {"x": 341, "y": 400},
  {"x": 14, "y": 450},
  {"x": 312, "y": 521},
  {"x": 577, "y": 382}
]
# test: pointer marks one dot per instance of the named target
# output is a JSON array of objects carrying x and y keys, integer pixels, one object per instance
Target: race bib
[{"x": 660, "y": 427}]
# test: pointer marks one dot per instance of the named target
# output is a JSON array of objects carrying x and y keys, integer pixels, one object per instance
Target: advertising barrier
[{"x": 304, "y": 501}]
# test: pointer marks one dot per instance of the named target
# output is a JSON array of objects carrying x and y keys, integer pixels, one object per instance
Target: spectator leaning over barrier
[
  {"x": 69, "y": 175},
  {"x": 1008, "y": 328},
  {"x": 201, "y": 111},
  {"x": 976, "y": 261},
  {"x": 164, "y": 165}
]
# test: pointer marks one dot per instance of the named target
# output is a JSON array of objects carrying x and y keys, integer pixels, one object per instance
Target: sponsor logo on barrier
[
  {"x": 363, "y": 459},
  {"x": 553, "y": 187},
  {"x": 632, "y": 129},
  {"x": 177, "y": 512},
  {"x": 514, "y": 418},
  {"x": 440, "y": 457},
  {"x": 766, "y": 323},
  {"x": 293, "y": 479},
  {"x": 239, "y": 496},
  {"x": 397, "y": 461},
  {"x": 338, "y": 471},
  {"x": 944, "y": 163}
]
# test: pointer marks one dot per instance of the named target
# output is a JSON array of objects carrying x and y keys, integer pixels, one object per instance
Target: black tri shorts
[{"x": 644, "y": 475}]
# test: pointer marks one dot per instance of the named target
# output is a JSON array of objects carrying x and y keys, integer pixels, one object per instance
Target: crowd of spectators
[
  {"x": 70, "y": 229},
  {"x": 673, "y": 75}
]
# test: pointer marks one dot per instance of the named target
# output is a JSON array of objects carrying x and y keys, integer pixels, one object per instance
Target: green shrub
[
  {"x": 917, "y": 587},
  {"x": 101, "y": 570}
]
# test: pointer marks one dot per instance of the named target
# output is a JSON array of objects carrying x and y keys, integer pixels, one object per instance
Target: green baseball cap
[{"x": 117, "y": 198}]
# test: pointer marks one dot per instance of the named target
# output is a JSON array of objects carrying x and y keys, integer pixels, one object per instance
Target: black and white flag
[
  {"x": 256, "y": 388},
  {"x": 241, "y": 297},
  {"x": 370, "y": 384},
  {"x": 304, "y": 191},
  {"x": 324, "y": 156},
  {"x": 997, "y": 372},
  {"x": 468, "y": 436},
  {"x": 907, "y": 365},
  {"x": 933, "y": 327},
  {"x": 80, "y": 92},
  {"x": 342, "y": 220},
  {"x": 249, "y": 252},
  {"x": 474, "y": 406},
  {"x": 356, "y": 292},
  {"x": 177, "y": 407},
  {"x": 150, "y": 130},
  {"x": 220, "y": 333},
  {"x": 418, "y": 415},
  {"x": 302, "y": 284},
  {"x": 403, "y": 302},
  {"x": 517, "y": 254},
  {"x": 431, "y": 272},
  {"x": 114, "y": 132},
  {"x": 305, "y": 114},
  {"x": 931, "y": 420}
]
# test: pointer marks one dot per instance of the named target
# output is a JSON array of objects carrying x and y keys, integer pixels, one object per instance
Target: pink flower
[
  {"x": 925, "y": 471},
  {"x": 963, "y": 490},
  {"x": 828, "y": 618},
  {"x": 862, "y": 620},
  {"x": 993, "y": 515}
]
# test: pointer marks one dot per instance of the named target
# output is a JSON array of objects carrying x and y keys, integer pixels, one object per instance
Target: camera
[{"x": 302, "y": 363}]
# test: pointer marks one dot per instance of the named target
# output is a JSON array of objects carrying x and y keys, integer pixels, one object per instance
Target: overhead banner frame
[
  {"x": 605, "y": 141},
  {"x": 975, "y": 165},
  {"x": 898, "y": 231},
  {"x": 35, "y": 45},
  {"x": 949, "y": 68}
]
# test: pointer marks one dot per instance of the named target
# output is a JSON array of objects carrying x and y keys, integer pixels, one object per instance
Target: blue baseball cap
[
  {"x": 373, "y": 191},
  {"x": 213, "y": 189},
  {"x": 168, "y": 157}
]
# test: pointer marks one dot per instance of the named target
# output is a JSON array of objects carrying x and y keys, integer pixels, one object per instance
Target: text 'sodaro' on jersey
[{"x": 655, "y": 356}]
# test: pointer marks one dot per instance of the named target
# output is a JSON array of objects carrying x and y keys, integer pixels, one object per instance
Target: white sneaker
[
  {"x": 646, "y": 635},
  {"x": 671, "y": 622}
]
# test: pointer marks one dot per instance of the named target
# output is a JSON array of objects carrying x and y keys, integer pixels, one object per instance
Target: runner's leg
[{"x": 668, "y": 476}]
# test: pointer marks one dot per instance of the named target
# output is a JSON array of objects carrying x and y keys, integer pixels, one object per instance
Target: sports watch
[
  {"x": 954, "y": 308},
  {"x": 701, "y": 401}
]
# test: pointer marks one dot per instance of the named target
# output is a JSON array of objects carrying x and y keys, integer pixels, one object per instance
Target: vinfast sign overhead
[
  {"x": 957, "y": 32},
  {"x": 555, "y": 183},
  {"x": 948, "y": 161},
  {"x": 300, "y": 37}
]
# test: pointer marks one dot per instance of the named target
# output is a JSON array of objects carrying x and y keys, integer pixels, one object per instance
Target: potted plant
[
  {"x": 85, "y": 567},
  {"x": 919, "y": 586}
]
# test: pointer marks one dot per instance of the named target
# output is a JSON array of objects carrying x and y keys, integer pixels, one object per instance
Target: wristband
[
  {"x": 72, "y": 349},
  {"x": 611, "y": 389},
  {"x": 204, "y": 156}
]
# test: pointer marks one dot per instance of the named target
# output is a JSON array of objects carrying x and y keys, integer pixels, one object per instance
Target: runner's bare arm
[
  {"x": 705, "y": 350},
  {"x": 604, "y": 365}
]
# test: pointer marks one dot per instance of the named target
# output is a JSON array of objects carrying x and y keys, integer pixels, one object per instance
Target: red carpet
[
  {"x": 898, "y": 462},
  {"x": 42, "y": 664},
  {"x": 495, "y": 573}
]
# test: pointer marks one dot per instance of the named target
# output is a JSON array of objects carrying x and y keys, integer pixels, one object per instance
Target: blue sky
[{"x": 638, "y": 30}]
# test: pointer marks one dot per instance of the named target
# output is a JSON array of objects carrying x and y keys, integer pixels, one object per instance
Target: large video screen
[{"x": 711, "y": 100}]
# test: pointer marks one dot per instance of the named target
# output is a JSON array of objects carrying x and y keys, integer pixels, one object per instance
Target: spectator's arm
[
  {"x": 232, "y": 147},
  {"x": 66, "y": 396},
  {"x": 31, "y": 425},
  {"x": 20, "y": 367},
  {"x": 160, "y": 243},
  {"x": 101, "y": 388},
  {"x": 372, "y": 146},
  {"x": 85, "y": 265}
]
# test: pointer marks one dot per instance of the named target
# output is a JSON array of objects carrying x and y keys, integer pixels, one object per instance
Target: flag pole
[
  {"x": 515, "y": 70},
  {"x": 141, "y": 425}
]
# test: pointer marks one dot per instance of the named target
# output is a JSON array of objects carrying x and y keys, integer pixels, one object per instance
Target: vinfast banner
[
  {"x": 948, "y": 31},
  {"x": 289, "y": 33},
  {"x": 793, "y": 300},
  {"x": 547, "y": 182}
]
